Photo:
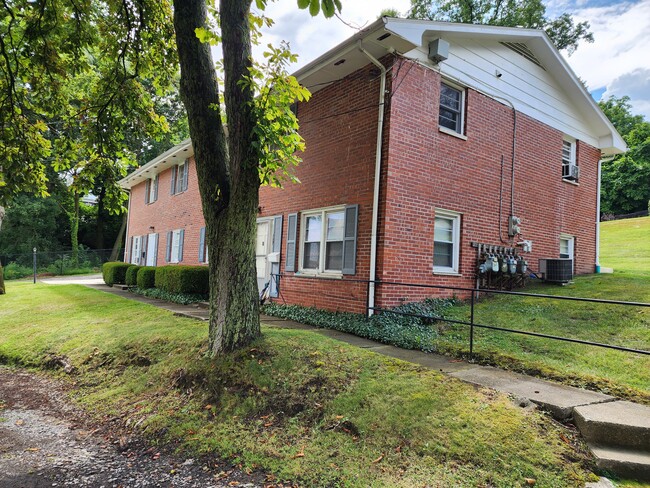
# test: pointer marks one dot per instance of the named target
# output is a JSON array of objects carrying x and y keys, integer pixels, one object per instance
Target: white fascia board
[{"x": 169, "y": 158}]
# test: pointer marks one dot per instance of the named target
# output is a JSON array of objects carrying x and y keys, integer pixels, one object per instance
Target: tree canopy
[
  {"x": 626, "y": 179},
  {"x": 563, "y": 30},
  {"x": 73, "y": 84}
]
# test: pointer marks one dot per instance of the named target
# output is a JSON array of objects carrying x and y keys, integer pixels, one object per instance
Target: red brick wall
[
  {"x": 169, "y": 212},
  {"x": 429, "y": 169},
  {"x": 339, "y": 125},
  {"x": 422, "y": 169}
]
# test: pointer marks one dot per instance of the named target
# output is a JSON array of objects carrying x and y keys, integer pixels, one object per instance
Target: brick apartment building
[{"x": 423, "y": 140}]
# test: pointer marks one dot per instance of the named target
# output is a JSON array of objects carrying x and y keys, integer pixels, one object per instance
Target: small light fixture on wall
[{"x": 152, "y": 228}]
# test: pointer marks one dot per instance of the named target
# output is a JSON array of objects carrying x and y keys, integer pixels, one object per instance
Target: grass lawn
[
  {"x": 297, "y": 404},
  {"x": 625, "y": 246}
]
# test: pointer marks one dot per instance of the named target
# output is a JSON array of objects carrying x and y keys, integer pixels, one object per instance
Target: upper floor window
[
  {"x": 179, "y": 177},
  {"x": 446, "y": 242},
  {"x": 452, "y": 108},
  {"x": 570, "y": 170},
  {"x": 151, "y": 190}
]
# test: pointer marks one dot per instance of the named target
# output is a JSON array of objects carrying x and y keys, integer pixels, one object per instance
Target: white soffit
[
  {"x": 175, "y": 155},
  {"x": 346, "y": 58}
]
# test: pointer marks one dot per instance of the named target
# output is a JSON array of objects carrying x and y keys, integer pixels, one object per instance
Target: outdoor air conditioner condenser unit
[{"x": 556, "y": 270}]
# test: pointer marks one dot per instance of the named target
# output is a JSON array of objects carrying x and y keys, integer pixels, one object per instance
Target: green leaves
[
  {"x": 329, "y": 7},
  {"x": 563, "y": 31},
  {"x": 625, "y": 187}
]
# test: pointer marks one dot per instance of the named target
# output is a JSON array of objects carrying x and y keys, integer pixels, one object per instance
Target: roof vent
[{"x": 438, "y": 50}]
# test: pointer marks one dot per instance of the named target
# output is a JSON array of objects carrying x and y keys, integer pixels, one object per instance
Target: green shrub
[
  {"x": 182, "y": 298},
  {"x": 146, "y": 277},
  {"x": 14, "y": 271},
  {"x": 114, "y": 273},
  {"x": 131, "y": 275},
  {"x": 2, "y": 281},
  {"x": 404, "y": 331},
  {"x": 183, "y": 279}
]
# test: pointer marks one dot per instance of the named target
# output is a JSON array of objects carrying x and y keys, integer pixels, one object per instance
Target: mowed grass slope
[
  {"x": 297, "y": 404},
  {"x": 625, "y": 246}
]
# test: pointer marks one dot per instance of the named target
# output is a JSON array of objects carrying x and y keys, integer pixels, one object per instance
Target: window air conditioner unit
[
  {"x": 556, "y": 270},
  {"x": 571, "y": 172}
]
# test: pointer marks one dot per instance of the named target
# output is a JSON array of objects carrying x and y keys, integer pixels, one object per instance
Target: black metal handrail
[{"x": 474, "y": 293}]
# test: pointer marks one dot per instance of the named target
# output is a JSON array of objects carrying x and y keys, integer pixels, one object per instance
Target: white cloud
[
  {"x": 621, "y": 32},
  {"x": 636, "y": 85},
  {"x": 311, "y": 36},
  {"x": 619, "y": 55}
]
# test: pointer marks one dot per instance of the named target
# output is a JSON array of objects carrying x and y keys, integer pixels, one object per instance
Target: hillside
[{"x": 625, "y": 245}]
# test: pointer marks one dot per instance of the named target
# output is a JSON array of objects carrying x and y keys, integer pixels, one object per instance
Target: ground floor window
[
  {"x": 446, "y": 242},
  {"x": 322, "y": 236},
  {"x": 175, "y": 245}
]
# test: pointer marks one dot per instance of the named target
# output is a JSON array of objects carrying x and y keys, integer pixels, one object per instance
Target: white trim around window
[
  {"x": 446, "y": 242},
  {"x": 569, "y": 158},
  {"x": 451, "y": 115},
  {"x": 321, "y": 241},
  {"x": 567, "y": 246}
]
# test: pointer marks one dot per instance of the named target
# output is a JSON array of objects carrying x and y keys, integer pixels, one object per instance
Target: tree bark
[
  {"x": 118, "y": 240},
  {"x": 227, "y": 173}
]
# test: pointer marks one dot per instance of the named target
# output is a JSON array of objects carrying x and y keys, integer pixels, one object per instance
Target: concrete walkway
[{"x": 608, "y": 417}]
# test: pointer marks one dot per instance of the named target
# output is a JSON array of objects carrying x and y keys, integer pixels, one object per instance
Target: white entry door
[
  {"x": 152, "y": 249},
  {"x": 136, "y": 249},
  {"x": 261, "y": 253}
]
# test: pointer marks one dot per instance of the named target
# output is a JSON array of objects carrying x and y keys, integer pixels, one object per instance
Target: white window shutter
[
  {"x": 147, "y": 191},
  {"x": 155, "y": 188}
]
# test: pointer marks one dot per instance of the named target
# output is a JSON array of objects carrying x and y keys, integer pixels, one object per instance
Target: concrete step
[
  {"x": 626, "y": 463},
  {"x": 616, "y": 424}
]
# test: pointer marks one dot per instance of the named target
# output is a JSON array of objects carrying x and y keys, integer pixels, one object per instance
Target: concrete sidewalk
[{"x": 612, "y": 428}]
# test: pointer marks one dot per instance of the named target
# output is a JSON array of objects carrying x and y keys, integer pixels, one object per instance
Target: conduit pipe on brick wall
[{"x": 375, "y": 197}]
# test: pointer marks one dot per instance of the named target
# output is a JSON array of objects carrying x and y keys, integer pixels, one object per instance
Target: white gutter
[
  {"x": 127, "y": 249},
  {"x": 375, "y": 197}
]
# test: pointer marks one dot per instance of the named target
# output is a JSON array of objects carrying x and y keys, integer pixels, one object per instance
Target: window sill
[
  {"x": 453, "y": 133},
  {"x": 445, "y": 272},
  {"x": 571, "y": 182},
  {"x": 329, "y": 276}
]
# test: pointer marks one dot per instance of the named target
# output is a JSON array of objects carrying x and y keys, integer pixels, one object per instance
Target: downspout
[
  {"x": 600, "y": 174},
  {"x": 375, "y": 197},
  {"x": 127, "y": 249}
]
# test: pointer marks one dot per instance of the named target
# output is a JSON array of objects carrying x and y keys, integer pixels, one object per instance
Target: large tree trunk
[
  {"x": 120, "y": 237},
  {"x": 227, "y": 173}
]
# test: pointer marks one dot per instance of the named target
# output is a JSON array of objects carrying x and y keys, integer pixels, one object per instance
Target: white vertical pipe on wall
[{"x": 375, "y": 198}]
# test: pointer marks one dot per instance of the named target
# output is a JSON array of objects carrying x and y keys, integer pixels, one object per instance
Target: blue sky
[{"x": 617, "y": 63}]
